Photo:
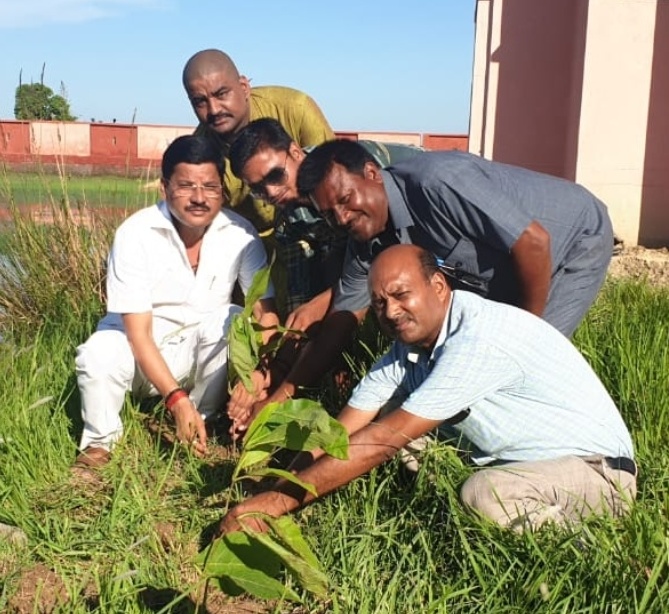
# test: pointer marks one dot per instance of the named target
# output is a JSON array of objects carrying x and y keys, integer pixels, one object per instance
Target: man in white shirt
[{"x": 170, "y": 277}]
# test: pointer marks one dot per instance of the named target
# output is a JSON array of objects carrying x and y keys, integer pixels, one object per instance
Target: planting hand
[
  {"x": 241, "y": 403},
  {"x": 190, "y": 426},
  {"x": 235, "y": 518},
  {"x": 309, "y": 313}
]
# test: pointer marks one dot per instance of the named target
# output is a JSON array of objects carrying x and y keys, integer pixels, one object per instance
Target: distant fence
[{"x": 134, "y": 150}]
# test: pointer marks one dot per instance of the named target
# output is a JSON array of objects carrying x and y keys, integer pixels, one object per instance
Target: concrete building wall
[
  {"x": 60, "y": 139},
  {"x": 153, "y": 140},
  {"x": 133, "y": 149},
  {"x": 654, "y": 220},
  {"x": 15, "y": 138},
  {"x": 580, "y": 89},
  {"x": 614, "y": 111}
]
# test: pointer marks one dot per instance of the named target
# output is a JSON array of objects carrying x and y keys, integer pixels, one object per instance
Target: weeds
[{"x": 52, "y": 273}]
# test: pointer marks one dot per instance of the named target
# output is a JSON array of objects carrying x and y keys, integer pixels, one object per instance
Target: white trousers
[{"x": 106, "y": 369}]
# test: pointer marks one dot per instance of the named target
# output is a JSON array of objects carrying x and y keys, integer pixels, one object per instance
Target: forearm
[
  {"x": 319, "y": 355},
  {"x": 366, "y": 451},
  {"x": 531, "y": 256},
  {"x": 153, "y": 365}
]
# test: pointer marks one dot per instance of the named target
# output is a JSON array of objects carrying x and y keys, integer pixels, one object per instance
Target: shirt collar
[
  {"x": 414, "y": 354},
  {"x": 397, "y": 207}
]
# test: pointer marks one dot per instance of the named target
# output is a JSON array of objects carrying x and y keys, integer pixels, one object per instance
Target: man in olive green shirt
[{"x": 224, "y": 103}]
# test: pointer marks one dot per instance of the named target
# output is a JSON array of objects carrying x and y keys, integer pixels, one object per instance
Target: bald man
[
  {"x": 224, "y": 103},
  {"x": 495, "y": 376}
]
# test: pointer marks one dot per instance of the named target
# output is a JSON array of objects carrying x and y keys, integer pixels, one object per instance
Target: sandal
[{"x": 92, "y": 458}]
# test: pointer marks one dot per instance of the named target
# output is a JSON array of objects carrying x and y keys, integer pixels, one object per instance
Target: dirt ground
[{"x": 641, "y": 263}]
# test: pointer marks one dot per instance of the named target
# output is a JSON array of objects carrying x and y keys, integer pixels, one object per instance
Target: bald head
[
  {"x": 207, "y": 62},
  {"x": 219, "y": 95},
  {"x": 409, "y": 294},
  {"x": 402, "y": 257}
]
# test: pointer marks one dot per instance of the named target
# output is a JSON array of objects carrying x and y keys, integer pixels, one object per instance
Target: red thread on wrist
[{"x": 174, "y": 397}]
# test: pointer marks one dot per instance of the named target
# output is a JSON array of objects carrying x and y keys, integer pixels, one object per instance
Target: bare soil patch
[
  {"x": 40, "y": 590},
  {"x": 641, "y": 263}
]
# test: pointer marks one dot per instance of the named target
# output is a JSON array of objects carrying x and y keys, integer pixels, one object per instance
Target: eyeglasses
[
  {"x": 275, "y": 177},
  {"x": 188, "y": 189}
]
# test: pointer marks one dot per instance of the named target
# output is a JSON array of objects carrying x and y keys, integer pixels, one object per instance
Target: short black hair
[
  {"x": 318, "y": 163},
  {"x": 429, "y": 264},
  {"x": 191, "y": 149},
  {"x": 263, "y": 133}
]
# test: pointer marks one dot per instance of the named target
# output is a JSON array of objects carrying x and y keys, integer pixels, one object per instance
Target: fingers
[
  {"x": 201, "y": 443},
  {"x": 292, "y": 318},
  {"x": 239, "y": 427},
  {"x": 191, "y": 430}
]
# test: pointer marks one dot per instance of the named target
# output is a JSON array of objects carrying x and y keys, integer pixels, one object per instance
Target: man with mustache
[
  {"x": 524, "y": 403},
  {"x": 224, "y": 103},
  {"x": 171, "y": 271}
]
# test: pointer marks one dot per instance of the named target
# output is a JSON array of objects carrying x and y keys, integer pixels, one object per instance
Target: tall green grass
[{"x": 389, "y": 543}]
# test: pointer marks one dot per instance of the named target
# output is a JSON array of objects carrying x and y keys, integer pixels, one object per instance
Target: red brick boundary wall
[{"x": 134, "y": 150}]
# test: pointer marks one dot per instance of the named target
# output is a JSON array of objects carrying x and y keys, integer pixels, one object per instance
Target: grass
[
  {"x": 389, "y": 543},
  {"x": 98, "y": 191}
]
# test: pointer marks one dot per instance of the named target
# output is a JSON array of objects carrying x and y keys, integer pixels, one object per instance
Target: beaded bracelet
[{"x": 173, "y": 397}]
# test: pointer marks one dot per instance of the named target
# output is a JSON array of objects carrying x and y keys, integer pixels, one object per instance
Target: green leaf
[
  {"x": 289, "y": 533},
  {"x": 242, "y": 351},
  {"x": 257, "y": 289},
  {"x": 305, "y": 570},
  {"x": 242, "y": 563},
  {"x": 300, "y": 425},
  {"x": 286, "y": 475},
  {"x": 253, "y": 457}
]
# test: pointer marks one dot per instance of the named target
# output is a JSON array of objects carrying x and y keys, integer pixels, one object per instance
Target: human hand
[
  {"x": 189, "y": 426},
  {"x": 309, "y": 313},
  {"x": 241, "y": 404},
  {"x": 235, "y": 518}
]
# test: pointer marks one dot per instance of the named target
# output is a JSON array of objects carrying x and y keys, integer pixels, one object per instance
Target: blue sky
[{"x": 396, "y": 65}]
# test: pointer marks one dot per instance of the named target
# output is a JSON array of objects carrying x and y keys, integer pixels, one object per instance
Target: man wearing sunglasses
[
  {"x": 224, "y": 103},
  {"x": 170, "y": 277},
  {"x": 267, "y": 159}
]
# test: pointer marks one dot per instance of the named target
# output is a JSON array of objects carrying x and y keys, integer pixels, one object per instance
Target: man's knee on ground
[
  {"x": 104, "y": 355},
  {"x": 484, "y": 493}
]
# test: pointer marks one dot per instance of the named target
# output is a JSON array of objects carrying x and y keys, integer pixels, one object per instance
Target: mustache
[
  {"x": 213, "y": 118},
  {"x": 391, "y": 325}
]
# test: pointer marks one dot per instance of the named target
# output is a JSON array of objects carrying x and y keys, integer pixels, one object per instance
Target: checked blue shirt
[{"x": 531, "y": 394}]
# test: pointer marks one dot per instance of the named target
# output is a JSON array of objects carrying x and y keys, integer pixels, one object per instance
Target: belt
[{"x": 621, "y": 463}]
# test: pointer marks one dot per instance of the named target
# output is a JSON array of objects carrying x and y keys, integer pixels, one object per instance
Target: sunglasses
[
  {"x": 463, "y": 279},
  {"x": 275, "y": 177}
]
